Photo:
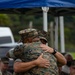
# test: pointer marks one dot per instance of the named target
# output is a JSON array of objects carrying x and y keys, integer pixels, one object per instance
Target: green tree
[{"x": 5, "y": 20}]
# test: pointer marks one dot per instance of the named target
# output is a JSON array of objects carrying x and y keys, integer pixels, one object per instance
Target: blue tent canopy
[
  {"x": 35, "y": 3},
  {"x": 56, "y": 7}
]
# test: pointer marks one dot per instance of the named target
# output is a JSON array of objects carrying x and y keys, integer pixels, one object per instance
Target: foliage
[
  {"x": 20, "y": 21},
  {"x": 5, "y": 20}
]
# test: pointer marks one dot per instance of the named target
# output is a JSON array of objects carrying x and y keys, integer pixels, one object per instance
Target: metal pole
[
  {"x": 51, "y": 35},
  {"x": 56, "y": 33},
  {"x": 62, "y": 34},
  {"x": 45, "y": 10},
  {"x": 30, "y": 24}
]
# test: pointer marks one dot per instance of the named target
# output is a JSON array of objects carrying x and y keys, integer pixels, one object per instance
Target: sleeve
[
  {"x": 11, "y": 53},
  {"x": 18, "y": 60}
]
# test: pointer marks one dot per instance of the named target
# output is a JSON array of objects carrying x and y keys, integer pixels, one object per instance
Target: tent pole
[
  {"x": 56, "y": 33},
  {"x": 45, "y": 25},
  {"x": 62, "y": 34},
  {"x": 51, "y": 34}
]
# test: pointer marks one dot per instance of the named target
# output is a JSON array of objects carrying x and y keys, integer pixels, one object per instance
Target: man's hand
[
  {"x": 46, "y": 48},
  {"x": 60, "y": 58},
  {"x": 42, "y": 62}
]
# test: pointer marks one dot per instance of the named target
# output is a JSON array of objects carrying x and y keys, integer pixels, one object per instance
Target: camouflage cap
[
  {"x": 28, "y": 32},
  {"x": 43, "y": 38},
  {"x": 5, "y": 60},
  {"x": 43, "y": 35}
]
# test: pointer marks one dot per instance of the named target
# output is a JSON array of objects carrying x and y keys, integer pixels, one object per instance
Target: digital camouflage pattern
[
  {"x": 18, "y": 50},
  {"x": 31, "y": 52},
  {"x": 43, "y": 35},
  {"x": 7, "y": 73},
  {"x": 28, "y": 32}
]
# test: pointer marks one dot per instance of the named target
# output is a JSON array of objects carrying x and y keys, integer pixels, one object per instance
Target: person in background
[
  {"x": 43, "y": 40},
  {"x": 43, "y": 35},
  {"x": 4, "y": 66},
  {"x": 59, "y": 56},
  {"x": 66, "y": 68},
  {"x": 0, "y": 67},
  {"x": 72, "y": 67}
]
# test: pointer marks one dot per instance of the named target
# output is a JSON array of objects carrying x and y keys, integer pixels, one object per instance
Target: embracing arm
[
  {"x": 60, "y": 58},
  {"x": 24, "y": 66}
]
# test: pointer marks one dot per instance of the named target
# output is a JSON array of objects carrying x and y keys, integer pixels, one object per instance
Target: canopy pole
[
  {"x": 45, "y": 10},
  {"x": 56, "y": 33},
  {"x": 51, "y": 34},
  {"x": 62, "y": 34}
]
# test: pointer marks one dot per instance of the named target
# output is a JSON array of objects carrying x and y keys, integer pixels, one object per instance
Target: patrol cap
[
  {"x": 43, "y": 38},
  {"x": 73, "y": 63},
  {"x": 43, "y": 35},
  {"x": 28, "y": 32},
  {"x": 5, "y": 60}
]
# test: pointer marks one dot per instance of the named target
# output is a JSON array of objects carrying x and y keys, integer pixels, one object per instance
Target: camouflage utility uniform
[
  {"x": 31, "y": 52},
  {"x": 6, "y": 73}
]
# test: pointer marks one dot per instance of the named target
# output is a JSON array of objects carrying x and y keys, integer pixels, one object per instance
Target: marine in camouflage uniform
[
  {"x": 4, "y": 62},
  {"x": 31, "y": 51}
]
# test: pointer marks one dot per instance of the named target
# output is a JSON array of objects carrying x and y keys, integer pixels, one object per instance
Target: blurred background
[{"x": 16, "y": 22}]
